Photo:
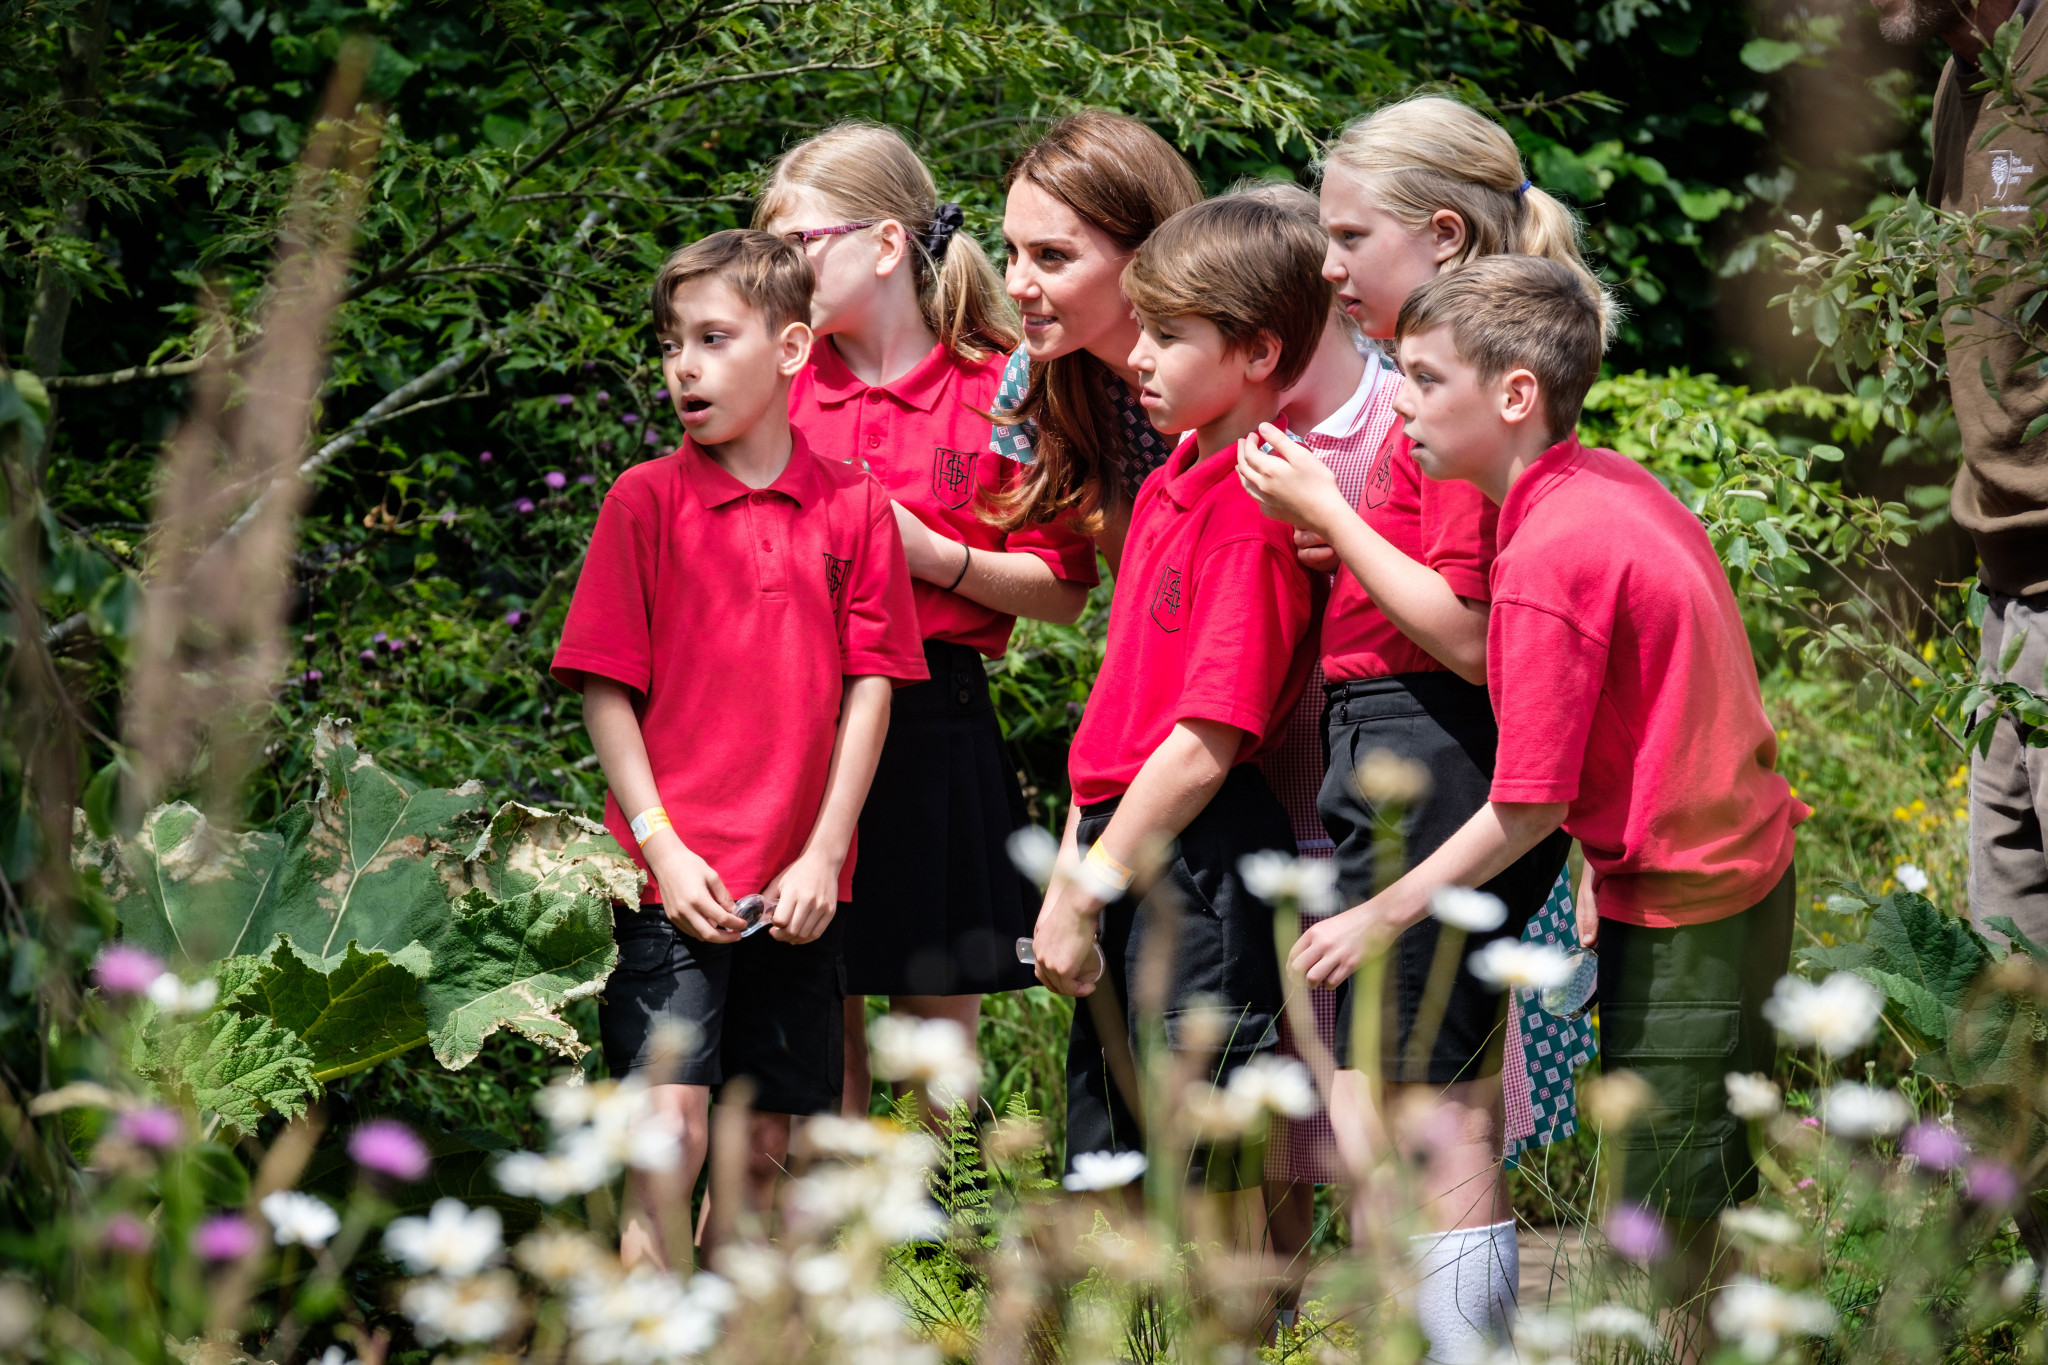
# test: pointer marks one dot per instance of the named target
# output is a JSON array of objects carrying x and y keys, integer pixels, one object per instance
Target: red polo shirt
[
  {"x": 736, "y": 615},
  {"x": 1211, "y": 621},
  {"x": 1625, "y": 687},
  {"x": 925, "y": 436},
  {"x": 1447, "y": 526}
]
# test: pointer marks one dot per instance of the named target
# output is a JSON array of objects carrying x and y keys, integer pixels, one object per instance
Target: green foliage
[{"x": 451, "y": 928}]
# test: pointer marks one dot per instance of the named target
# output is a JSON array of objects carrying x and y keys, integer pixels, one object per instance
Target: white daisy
[
  {"x": 1837, "y": 1016},
  {"x": 451, "y": 1240},
  {"x": 1853, "y": 1110},
  {"x": 478, "y": 1308},
  {"x": 1752, "y": 1095},
  {"x": 1758, "y": 1316},
  {"x": 1509, "y": 962},
  {"x": 1476, "y": 912},
  {"x": 1307, "y": 884},
  {"x": 299, "y": 1218},
  {"x": 1105, "y": 1170}
]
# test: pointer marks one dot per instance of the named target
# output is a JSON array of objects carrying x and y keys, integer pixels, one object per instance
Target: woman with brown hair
[{"x": 1081, "y": 201}]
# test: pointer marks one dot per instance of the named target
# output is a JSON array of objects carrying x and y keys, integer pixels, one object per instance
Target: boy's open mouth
[{"x": 695, "y": 404}]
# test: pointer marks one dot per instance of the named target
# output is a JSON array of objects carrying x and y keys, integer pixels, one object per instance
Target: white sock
[{"x": 1465, "y": 1290}]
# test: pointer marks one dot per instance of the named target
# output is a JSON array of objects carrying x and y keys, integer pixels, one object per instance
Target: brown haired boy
[
  {"x": 742, "y": 615},
  {"x": 1630, "y": 715},
  {"x": 1209, "y": 646}
]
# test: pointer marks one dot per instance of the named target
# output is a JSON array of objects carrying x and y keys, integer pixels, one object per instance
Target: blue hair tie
[{"x": 1525, "y": 186}]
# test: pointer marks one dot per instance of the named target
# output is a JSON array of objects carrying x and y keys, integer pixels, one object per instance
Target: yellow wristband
[
  {"x": 1102, "y": 876},
  {"x": 648, "y": 821}
]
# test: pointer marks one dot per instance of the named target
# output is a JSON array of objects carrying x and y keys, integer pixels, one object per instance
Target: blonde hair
[
  {"x": 1250, "y": 266},
  {"x": 1519, "y": 312},
  {"x": 1428, "y": 153},
  {"x": 868, "y": 172}
]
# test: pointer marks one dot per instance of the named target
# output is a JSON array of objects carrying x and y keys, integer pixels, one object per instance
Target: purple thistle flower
[
  {"x": 629, "y": 417},
  {"x": 564, "y": 399},
  {"x": 603, "y": 397},
  {"x": 605, "y": 445},
  {"x": 396, "y": 646},
  {"x": 1935, "y": 1146},
  {"x": 555, "y": 479},
  {"x": 1992, "y": 1182},
  {"x": 227, "y": 1237},
  {"x": 368, "y": 656},
  {"x": 654, "y": 438},
  {"x": 1636, "y": 1234},
  {"x": 125, "y": 1233},
  {"x": 379, "y": 638},
  {"x": 125, "y": 970},
  {"x": 158, "y": 1128},
  {"x": 589, "y": 365},
  {"x": 588, "y": 478},
  {"x": 448, "y": 517},
  {"x": 515, "y": 617},
  {"x": 523, "y": 506},
  {"x": 661, "y": 393},
  {"x": 485, "y": 458},
  {"x": 388, "y": 1147},
  {"x": 313, "y": 675}
]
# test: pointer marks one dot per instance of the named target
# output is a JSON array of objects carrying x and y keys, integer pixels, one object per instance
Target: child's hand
[
  {"x": 1064, "y": 941},
  {"x": 1290, "y": 482},
  {"x": 1315, "y": 553},
  {"x": 931, "y": 556},
  {"x": 1329, "y": 952},
  {"x": 692, "y": 894},
  {"x": 803, "y": 898}
]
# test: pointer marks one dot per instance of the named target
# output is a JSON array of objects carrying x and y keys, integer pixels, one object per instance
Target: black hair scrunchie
[{"x": 945, "y": 222}]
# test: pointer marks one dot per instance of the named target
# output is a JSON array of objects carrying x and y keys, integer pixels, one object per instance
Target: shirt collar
[
  {"x": 714, "y": 487},
  {"x": 919, "y": 388},
  {"x": 1345, "y": 421},
  {"x": 1190, "y": 478},
  {"x": 1538, "y": 481}
]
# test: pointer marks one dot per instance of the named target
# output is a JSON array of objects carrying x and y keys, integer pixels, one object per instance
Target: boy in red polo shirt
[
  {"x": 742, "y": 616},
  {"x": 1630, "y": 715},
  {"x": 1210, "y": 644}
]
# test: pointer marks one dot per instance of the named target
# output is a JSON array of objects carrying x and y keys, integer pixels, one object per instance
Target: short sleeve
[
  {"x": 608, "y": 628},
  {"x": 1458, "y": 535},
  {"x": 1544, "y": 701},
  {"x": 1069, "y": 554},
  {"x": 1019, "y": 442},
  {"x": 882, "y": 636},
  {"x": 1251, "y": 611}
]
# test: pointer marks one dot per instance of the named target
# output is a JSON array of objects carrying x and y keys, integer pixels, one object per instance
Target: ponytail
[
  {"x": 1427, "y": 154},
  {"x": 868, "y": 172}
]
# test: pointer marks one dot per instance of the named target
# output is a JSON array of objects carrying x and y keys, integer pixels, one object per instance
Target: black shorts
[
  {"x": 1682, "y": 1008},
  {"x": 937, "y": 905},
  {"x": 1225, "y": 959},
  {"x": 1445, "y": 724},
  {"x": 763, "y": 1009}
]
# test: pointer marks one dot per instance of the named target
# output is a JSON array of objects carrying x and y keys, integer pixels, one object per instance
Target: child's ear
[
  {"x": 892, "y": 242},
  {"x": 1521, "y": 397},
  {"x": 1261, "y": 357},
  {"x": 793, "y": 349},
  {"x": 1448, "y": 235}
]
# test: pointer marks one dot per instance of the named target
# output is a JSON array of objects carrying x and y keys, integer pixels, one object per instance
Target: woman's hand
[{"x": 1289, "y": 482}]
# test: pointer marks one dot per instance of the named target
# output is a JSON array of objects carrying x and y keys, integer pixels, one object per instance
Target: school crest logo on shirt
[
  {"x": 952, "y": 476},
  {"x": 835, "y": 574},
  {"x": 1379, "y": 481},
  {"x": 1166, "y": 599}
]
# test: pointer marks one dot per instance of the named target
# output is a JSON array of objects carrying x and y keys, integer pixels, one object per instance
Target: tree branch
[{"x": 129, "y": 375}]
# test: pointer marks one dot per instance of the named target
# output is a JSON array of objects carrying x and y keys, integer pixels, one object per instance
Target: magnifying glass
[{"x": 754, "y": 910}]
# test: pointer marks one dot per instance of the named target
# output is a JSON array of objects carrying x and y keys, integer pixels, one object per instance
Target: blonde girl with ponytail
[
  {"x": 1410, "y": 191},
  {"x": 913, "y": 327}
]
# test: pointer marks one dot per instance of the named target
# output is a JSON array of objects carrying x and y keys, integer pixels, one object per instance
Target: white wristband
[{"x": 648, "y": 821}]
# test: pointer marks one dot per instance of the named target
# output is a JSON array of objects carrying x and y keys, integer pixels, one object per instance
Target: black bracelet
[{"x": 965, "y": 561}]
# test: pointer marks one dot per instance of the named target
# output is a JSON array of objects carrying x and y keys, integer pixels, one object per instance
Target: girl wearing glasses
[{"x": 913, "y": 329}]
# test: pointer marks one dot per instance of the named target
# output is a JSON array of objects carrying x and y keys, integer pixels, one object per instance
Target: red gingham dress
[{"x": 1304, "y": 1151}]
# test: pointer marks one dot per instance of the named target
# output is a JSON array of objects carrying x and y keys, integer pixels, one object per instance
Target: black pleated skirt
[{"x": 937, "y": 906}]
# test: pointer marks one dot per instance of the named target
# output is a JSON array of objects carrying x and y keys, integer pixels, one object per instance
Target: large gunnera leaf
[
  {"x": 234, "y": 1066},
  {"x": 376, "y": 916}
]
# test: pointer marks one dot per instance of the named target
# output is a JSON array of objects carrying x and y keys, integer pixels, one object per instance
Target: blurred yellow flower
[
  {"x": 1960, "y": 776},
  {"x": 1900, "y": 813}
]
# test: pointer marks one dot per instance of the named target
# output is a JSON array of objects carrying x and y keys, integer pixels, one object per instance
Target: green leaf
[
  {"x": 1933, "y": 950},
  {"x": 351, "y": 1011},
  {"x": 183, "y": 889},
  {"x": 237, "y": 1067},
  {"x": 1770, "y": 54}
]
